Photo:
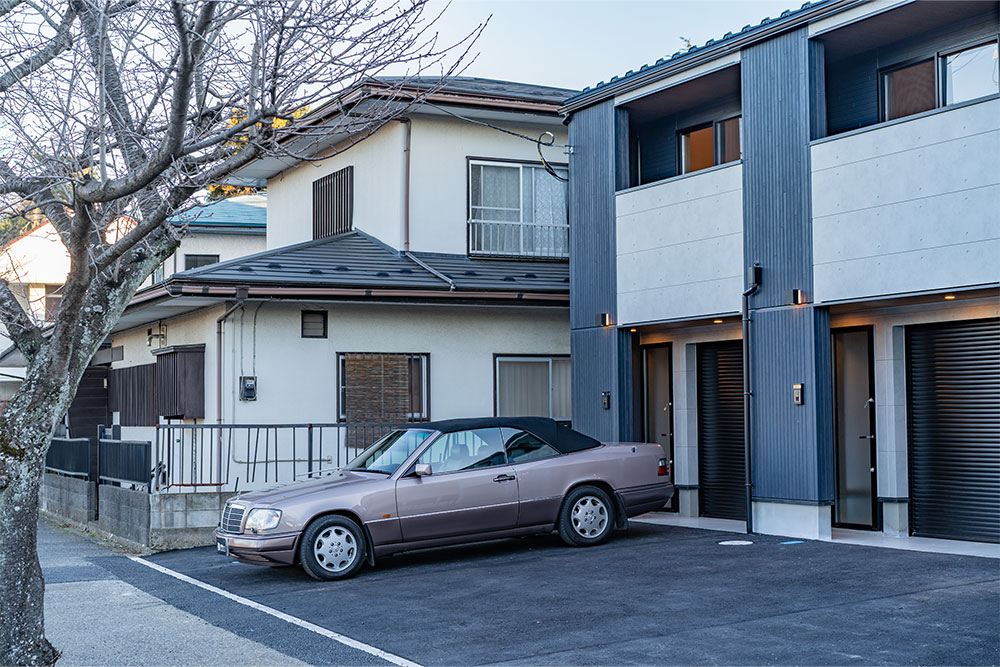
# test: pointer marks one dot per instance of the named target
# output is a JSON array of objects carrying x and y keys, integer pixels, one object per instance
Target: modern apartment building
[{"x": 785, "y": 264}]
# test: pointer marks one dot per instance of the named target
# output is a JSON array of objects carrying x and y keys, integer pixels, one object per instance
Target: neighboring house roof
[
  {"x": 244, "y": 214},
  {"x": 789, "y": 19},
  {"x": 356, "y": 259},
  {"x": 353, "y": 267},
  {"x": 495, "y": 88}
]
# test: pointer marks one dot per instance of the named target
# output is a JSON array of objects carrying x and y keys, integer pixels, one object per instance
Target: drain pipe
[
  {"x": 747, "y": 394},
  {"x": 406, "y": 183},
  {"x": 241, "y": 295}
]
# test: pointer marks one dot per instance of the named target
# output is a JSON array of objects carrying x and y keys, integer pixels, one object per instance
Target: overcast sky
[{"x": 577, "y": 43}]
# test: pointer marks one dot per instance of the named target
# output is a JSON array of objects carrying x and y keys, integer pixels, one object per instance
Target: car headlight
[{"x": 262, "y": 519}]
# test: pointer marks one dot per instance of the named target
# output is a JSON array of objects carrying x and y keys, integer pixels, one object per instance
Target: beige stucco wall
[{"x": 438, "y": 181}]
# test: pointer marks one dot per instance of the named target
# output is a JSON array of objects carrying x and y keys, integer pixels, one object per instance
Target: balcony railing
[{"x": 518, "y": 239}]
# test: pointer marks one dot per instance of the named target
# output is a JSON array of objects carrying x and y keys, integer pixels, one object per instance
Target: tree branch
[
  {"x": 59, "y": 43},
  {"x": 22, "y": 330}
]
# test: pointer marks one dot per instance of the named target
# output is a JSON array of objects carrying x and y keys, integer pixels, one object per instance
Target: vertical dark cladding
[
  {"x": 592, "y": 263},
  {"x": 792, "y": 444}
]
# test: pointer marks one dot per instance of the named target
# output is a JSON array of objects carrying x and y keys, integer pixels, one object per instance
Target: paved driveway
[{"x": 655, "y": 595}]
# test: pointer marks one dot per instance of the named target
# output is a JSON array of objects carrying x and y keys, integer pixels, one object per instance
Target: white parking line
[{"x": 329, "y": 634}]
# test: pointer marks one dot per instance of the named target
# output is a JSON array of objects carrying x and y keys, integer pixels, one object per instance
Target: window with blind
[
  {"x": 197, "y": 261},
  {"x": 314, "y": 324},
  {"x": 383, "y": 387},
  {"x": 333, "y": 203},
  {"x": 533, "y": 387}
]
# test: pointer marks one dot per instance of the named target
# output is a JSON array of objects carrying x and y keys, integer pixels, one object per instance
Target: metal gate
[
  {"x": 721, "y": 481},
  {"x": 953, "y": 414}
]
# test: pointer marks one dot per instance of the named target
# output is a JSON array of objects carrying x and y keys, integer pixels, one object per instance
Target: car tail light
[{"x": 662, "y": 468}]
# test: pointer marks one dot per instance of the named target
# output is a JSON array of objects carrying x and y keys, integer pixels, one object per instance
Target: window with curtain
[
  {"x": 533, "y": 387},
  {"x": 517, "y": 209}
]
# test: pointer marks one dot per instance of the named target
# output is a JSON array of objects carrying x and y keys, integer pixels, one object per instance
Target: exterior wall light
[
  {"x": 949, "y": 297},
  {"x": 794, "y": 297},
  {"x": 632, "y": 330},
  {"x": 604, "y": 319},
  {"x": 716, "y": 321}
]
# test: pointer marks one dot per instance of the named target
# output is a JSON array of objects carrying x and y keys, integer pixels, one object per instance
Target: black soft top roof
[{"x": 562, "y": 438}]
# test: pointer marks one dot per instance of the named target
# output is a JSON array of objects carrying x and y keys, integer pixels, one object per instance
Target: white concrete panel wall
[
  {"x": 297, "y": 377},
  {"x": 439, "y": 180},
  {"x": 908, "y": 207},
  {"x": 680, "y": 247},
  {"x": 378, "y": 170}
]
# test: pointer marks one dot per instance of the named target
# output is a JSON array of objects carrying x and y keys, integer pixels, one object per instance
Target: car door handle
[{"x": 503, "y": 478}]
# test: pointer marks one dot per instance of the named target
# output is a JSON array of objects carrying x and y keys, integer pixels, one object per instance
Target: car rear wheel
[
  {"x": 332, "y": 547},
  {"x": 587, "y": 517}
]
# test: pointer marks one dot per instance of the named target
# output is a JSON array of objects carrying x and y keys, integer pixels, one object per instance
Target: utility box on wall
[{"x": 248, "y": 387}]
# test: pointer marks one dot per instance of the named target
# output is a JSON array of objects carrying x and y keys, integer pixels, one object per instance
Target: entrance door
[
  {"x": 659, "y": 404},
  {"x": 854, "y": 381},
  {"x": 721, "y": 470}
]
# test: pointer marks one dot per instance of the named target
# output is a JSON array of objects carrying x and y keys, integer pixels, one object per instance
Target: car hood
[{"x": 339, "y": 480}]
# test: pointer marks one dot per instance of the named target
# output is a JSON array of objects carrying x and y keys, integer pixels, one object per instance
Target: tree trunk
[{"x": 22, "y": 588}]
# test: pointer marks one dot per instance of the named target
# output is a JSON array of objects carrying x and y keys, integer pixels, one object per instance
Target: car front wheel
[
  {"x": 332, "y": 547},
  {"x": 587, "y": 517}
]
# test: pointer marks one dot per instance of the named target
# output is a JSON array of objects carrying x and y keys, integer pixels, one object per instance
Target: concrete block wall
[
  {"x": 182, "y": 520},
  {"x": 68, "y": 497},
  {"x": 124, "y": 513}
]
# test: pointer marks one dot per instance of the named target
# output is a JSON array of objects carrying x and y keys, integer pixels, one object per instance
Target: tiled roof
[
  {"x": 472, "y": 85},
  {"x": 675, "y": 58},
  {"x": 355, "y": 259},
  {"x": 243, "y": 211}
]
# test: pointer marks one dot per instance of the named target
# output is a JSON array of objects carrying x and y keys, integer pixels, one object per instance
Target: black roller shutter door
[
  {"x": 953, "y": 414},
  {"x": 721, "y": 482}
]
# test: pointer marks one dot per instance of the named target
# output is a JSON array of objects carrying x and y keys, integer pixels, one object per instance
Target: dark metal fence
[
  {"x": 69, "y": 456},
  {"x": 246, "y": 456},
  {"x": 124, "y": 462}
]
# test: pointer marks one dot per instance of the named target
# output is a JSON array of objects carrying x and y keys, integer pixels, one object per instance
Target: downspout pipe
[
  {"x": 241, "y": 294},
  {"x": 747, "y": 393},
  {"x": 407, "y": 135}
]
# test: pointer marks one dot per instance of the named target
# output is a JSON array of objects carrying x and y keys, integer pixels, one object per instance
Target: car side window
[
  {"x": 465, "y": 450},
  {"x": 522, "y": 446}
]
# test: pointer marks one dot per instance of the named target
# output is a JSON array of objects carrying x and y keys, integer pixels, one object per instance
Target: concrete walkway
[{"x": 95, "y": 618}]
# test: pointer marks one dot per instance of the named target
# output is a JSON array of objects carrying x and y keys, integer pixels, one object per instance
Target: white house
[{"x": 420, "y": 273}]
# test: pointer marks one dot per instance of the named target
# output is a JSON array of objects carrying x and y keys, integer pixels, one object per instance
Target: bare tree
[{"x": 127, "y": 108}]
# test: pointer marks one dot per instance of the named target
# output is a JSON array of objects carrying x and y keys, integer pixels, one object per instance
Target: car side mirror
[{"x": 422, "y": 470}]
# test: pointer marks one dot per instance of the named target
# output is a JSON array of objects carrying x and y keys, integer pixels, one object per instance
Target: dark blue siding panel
[
  {"x": 776, "y": 197},
  {"x": 592, "y": 214},
  {"x": 792, "y": 444},
  {"x": 595, "y": 370}
]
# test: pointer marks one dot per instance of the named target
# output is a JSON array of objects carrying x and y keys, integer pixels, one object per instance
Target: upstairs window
[
  {"x": 710, "y": 144},
  {"x": 949, "y": 78},
  {"x": 517, "y": 210},
  {"x": 53, "y": 297},
  {"x": 333, "y": 203},
  {"x": 195, "y": 261},
  {"x": 314, "y": 324}
]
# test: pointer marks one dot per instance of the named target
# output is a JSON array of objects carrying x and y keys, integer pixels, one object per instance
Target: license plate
[{"x": 222, "y": 546}]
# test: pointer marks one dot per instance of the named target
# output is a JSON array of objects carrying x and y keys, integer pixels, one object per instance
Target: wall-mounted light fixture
[
  {"x": 949, "y": 297},
  {"x": 794, "y": 297},
  {"x": 604, "y": 319},
  {"x": 716, "y": 321}
]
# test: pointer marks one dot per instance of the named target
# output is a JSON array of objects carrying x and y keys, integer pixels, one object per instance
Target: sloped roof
[
  {"x": 496, "y": 88},
  {"x": 789, "y": 16},
  {"x": 355, "y": 259},
  {"x": 245, "y": 211}
]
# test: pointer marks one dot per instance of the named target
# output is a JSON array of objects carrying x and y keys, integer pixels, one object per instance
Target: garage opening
[
  {"x": 721, "y": 481},
  {"x": 953, "y": 421}
]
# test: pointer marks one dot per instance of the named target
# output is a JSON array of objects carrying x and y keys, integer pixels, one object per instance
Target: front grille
[{"x": 232, "y": 518}]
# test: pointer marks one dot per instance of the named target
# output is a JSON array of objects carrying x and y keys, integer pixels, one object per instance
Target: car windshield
[{"x": 389, "y": 453}]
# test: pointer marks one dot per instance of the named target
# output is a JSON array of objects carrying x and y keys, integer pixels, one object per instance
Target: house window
[
  {"x": 314, "y": 324},
  {"x": 950, "y": 78},
  {"x": 971, "y": 73},
  {"x": 383, "y": 387},
  {"x": 707, "y": 145},
  {"x": 517, "y": 210},
  {"x": 132, "y": 394},
  {"x": 333, "y": 203},
  {"x": 53, "y": 296},
  {"x": 180, "y": 381},
  {"x": 533, "y": 387},
  {"x": 196, "y": 261},
  {"x": 908, "y": 90}
]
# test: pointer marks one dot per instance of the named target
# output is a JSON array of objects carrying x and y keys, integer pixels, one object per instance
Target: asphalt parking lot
[{"x": 654, "y": 595}]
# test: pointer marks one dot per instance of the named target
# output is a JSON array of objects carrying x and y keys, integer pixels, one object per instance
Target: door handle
[
  {"x": 504, "y": 478},
  {"x": 866, "y": 437}
]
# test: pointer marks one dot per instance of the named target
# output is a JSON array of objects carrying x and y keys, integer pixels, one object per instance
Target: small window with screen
[{"x": 314, "y": 324}]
